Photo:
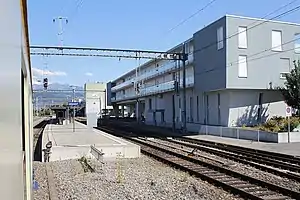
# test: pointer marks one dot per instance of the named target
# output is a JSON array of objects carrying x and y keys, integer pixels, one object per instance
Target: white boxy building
[
  {"x": 232, "y": 72},
  {"x": 96, "y": 102}
]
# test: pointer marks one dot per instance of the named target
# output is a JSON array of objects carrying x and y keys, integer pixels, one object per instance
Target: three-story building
[{"x": 233, "y": 69}]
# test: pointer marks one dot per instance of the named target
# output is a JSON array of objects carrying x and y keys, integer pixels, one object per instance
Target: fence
[{"x": 233, "y": 132}]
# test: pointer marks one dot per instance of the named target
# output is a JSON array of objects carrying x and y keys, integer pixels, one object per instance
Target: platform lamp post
[{"x": 73, "y": 88}]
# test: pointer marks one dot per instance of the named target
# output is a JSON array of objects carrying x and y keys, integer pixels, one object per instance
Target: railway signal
[{"x": 45, "y": 83}]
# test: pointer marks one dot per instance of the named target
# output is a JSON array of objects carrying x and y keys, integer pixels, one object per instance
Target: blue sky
[{"x": 133, "y": 24}]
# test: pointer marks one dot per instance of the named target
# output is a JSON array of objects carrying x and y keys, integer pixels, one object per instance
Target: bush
[{"x": 279, "y": 124}]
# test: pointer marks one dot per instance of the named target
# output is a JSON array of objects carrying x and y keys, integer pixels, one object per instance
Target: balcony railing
[
  {"x": 164, "y": 87},
  {"x": 155, "y": 89},
  {"x": 152, "y": 73}
]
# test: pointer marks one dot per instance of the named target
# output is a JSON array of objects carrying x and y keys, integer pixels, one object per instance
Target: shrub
[{"x": 279, "y": 124}]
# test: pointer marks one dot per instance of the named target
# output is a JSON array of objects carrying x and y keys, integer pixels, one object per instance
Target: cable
[
  {"x": 251, "y": 60},
  {"x": 193, "y": 15},
  {"x": 263, "y": 51},
  {"x": 236, "y": 34},
  {"x": 280, "y": 8},
  {"x": 79, "y": 4}
]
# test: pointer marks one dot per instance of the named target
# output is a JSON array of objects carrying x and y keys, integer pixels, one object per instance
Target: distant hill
[{"x": 55, "y": 94}]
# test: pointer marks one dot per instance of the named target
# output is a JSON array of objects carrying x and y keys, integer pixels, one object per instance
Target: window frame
[
  {"x": 220, "y": 38},
  {"x": 274, "y": 48},
  {"x": 246, "y": 58},
  {"x": 241, "y": 33}
]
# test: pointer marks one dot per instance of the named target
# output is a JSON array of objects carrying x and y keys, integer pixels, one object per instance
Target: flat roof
[{"x": 260, "y": 19}]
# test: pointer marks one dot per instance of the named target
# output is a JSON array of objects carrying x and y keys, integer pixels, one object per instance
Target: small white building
[{"x": 96, "y": 102}]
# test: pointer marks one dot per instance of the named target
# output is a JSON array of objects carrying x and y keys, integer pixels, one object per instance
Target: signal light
[{"x": 45, "y": 83}]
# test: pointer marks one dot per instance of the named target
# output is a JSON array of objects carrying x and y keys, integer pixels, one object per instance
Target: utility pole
[
  {"x": 100, "y": 106},
  {"x": 60, "y": 21},
  {"x": 105, "y": 103},
  {"x": 73, "y": 110},
  {"x": 184, "y": 58}
]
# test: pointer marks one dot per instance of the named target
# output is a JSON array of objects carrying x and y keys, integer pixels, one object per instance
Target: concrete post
[{"x": 123, "y": 114}]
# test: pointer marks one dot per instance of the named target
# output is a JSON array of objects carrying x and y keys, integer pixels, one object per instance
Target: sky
[{"x": 133, "y": 24}]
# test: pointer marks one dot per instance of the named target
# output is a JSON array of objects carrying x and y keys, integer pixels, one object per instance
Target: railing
[
  {"x": 161, "y": 88},
  {"x": 152, "y": 73},
  {"x": 167, "y": 86},
  {"x": 125, "y": 96},
  {"x": 122, "y": 85}
]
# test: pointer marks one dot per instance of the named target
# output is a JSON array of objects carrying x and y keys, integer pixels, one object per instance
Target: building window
[
  {"x": 198, "y": 109},
  {"x": 297, "y": 43},
  {"x": 243, "y": 37},
  {"x": 243, "y": 70},
  {"x": 150, "y": 104},
  {"x": 220, "y": 38},
  {"x": 283, "y": 75},
  {"x": 276, "y": 41}
]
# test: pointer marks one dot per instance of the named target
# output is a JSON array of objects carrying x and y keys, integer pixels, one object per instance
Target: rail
[{"x": 235, "y": 182}]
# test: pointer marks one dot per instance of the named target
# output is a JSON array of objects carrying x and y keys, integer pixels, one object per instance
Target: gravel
[
  {"x": 243, "y": 169},
  {"x": 42, "y": 193},
  {"x": 140, "y": 178}
]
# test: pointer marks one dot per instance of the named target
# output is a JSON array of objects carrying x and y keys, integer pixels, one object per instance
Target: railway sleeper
[{"x": 258, "y": 163}]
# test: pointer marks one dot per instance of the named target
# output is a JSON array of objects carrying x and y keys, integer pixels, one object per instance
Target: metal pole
[
  {"x": 105, "y": 103},
  {"x": 73, "y": 111},
  {"x": 289, "y": 129},
  {"x": 184, "y": 87},
  {"x": 100, "y": 114}
]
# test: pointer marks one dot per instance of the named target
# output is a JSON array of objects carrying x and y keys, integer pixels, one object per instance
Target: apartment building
[{"x": 234, "y": 66}]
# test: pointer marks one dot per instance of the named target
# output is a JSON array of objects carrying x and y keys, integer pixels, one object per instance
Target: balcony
[
  {"x": 122, "y": 85},
  {"x": 155, "y": 89},
  {"x": 170, "y": 66},
  {"x": 164, "y": 87}
]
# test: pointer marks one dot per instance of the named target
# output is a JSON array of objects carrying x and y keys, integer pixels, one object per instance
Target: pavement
[
  {"x": 284, "y": 148},
  {"x": 69, "y": 143}
]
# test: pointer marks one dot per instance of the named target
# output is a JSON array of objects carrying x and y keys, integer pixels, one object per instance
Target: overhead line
[
  {"x": 236, "y": 34},
  {"x": 193, "y": 15}
]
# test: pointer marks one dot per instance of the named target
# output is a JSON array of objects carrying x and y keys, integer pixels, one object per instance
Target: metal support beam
[
  {"x": 184, "y": 58},
  {"x": 102, "y": 52}
]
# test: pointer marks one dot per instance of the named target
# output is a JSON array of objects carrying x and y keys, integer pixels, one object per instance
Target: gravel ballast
[
  {"x": 240, "y": 168},
  {"x": 42, "y": 192},
  {"x": 141, "y": 178}
]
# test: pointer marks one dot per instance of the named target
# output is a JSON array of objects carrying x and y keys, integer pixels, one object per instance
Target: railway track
[
  {"x": 243, "y": 185},
  {"x": 282, "y": 165},
  {"x": 37, "y": 140},
  {"x": 279, "y": 164}
]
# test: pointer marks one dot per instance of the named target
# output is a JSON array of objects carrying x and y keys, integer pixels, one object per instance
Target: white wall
[
  {"x": 11, "y": 164},
  {"x": 244, "y": 106},
  {"x": 235, "y": 107}
]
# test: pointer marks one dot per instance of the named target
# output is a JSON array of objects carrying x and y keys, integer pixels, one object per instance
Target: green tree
[{"x": 291, "y": 89}]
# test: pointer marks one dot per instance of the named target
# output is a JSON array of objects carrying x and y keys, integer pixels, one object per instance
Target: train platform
[
  {"x": 69, "y": 143},
  {"x": 38, "y": 120},
  {"x": 283, "y": 148}
]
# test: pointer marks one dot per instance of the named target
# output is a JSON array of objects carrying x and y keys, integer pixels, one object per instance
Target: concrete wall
[
  {"x": 244, "y": 105},
  {"x": 209, "y": 62},
  {"x": 262, "y": 69}
]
